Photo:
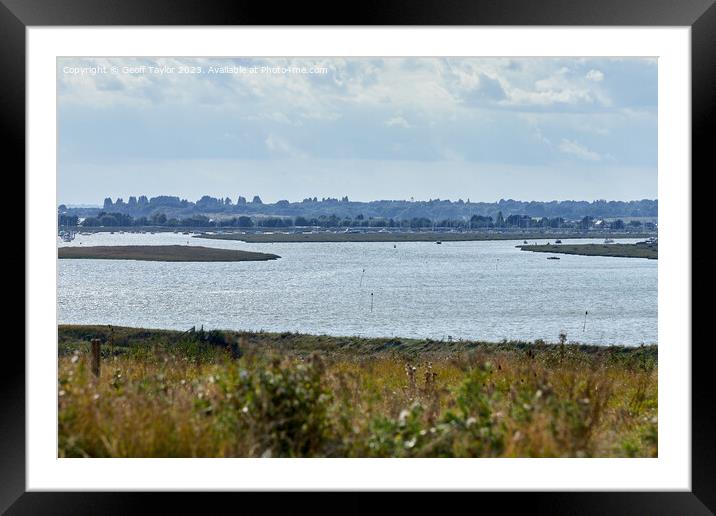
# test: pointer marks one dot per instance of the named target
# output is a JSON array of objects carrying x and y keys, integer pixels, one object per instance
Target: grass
[
  {"x": 241, "y": 394},
  {"x": 162, "y": 253},
  {"x": 376, "y": 236},
  {"x": 638, "y": 250}
]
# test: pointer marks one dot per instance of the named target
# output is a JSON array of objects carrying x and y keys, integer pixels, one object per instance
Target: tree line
[
  {"x": 117, "y": 219},
  {"x": 314, "y": 207}
]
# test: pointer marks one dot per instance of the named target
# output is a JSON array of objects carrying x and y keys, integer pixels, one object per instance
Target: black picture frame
[{"x": 17, "y": 15}]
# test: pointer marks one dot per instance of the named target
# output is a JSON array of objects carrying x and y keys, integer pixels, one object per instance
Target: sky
[{"x": 369, "y": 128}]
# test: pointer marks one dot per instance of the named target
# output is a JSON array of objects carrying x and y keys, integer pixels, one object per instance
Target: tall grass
[{"x": 161, "y": 394}]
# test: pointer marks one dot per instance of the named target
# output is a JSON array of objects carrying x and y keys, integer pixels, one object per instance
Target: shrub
[{"x": 284, "y": 408}]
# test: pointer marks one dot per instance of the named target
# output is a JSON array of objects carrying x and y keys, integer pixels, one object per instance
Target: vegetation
[
  {"x": 476, "y": 222},
  {"x": 313, "y": 207},
  {"x": 638, "y": 250},
  {"x": 222, "y": 394},
  {"x": 162, "y": 253}
]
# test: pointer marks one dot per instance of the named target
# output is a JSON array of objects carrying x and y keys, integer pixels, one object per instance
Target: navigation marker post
[{"x": 585, "y": 321}]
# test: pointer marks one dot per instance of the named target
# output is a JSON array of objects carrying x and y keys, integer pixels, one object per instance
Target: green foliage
[{"x": 284, "y": 408}]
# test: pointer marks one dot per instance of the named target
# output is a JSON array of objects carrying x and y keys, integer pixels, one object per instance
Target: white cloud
[
  {"x": 577, "y": 149},
  {"x": 550, "y": 97},
  {"x": 398, "y": 121},
  {"x": 432, "y": 86},
  {"x": 276, "y": 116},
  {"x": 595, "y": 76},
  {"x": 423, "y": 109}
]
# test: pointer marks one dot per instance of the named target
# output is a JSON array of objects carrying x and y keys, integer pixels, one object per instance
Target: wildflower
[
  {"x": 470, "y": 421},
  {"x": 410, "y": 443},
  {"x": 95, "y": 397},
  {"x": 62, "y": 392},
  {"x": 74, "y": 358}
]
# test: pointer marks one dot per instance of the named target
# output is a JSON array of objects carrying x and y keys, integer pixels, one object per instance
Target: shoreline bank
[
  {"x": 326, "y": 237},
  {"x": 302, "y": 344},
  {"x": 161, "y": 253},
  {"x": 639, "y": 250}
]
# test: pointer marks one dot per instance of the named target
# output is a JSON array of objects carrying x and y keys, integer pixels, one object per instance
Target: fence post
[{"x": 95, "y": 357}]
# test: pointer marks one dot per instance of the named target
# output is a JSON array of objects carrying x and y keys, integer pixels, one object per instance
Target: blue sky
[{"x": 369, "y": 128}]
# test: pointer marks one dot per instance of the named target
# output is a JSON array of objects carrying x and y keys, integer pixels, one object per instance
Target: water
[{"x": 458, "y": 290}]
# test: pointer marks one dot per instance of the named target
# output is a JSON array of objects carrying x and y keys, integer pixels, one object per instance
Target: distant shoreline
[
  {"x": 162, "y": 253},
  {"x": 400, "y": 237},
  {"x": 638, "y": 250}
]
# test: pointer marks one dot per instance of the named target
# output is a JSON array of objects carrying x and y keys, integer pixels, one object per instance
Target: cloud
[
  {"x": 595, "y": 76},
  {"x": 428, "y": 85},
  {"x": 276, "y": 116},
  {"x": 487, "y": 89},
  {"x": 516, "y": 111},
  {"x": 578, "y": 150},
  {"x": 398, "y": 121}
]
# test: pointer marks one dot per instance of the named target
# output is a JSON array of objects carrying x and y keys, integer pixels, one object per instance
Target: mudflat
[{"x": 162, "y": 253}]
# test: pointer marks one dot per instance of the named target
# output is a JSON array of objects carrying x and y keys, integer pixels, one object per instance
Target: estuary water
[{"x": 457, "y": 290}]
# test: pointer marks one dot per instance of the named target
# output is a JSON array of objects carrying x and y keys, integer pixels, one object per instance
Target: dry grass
[{"x": 162, "y": 394}]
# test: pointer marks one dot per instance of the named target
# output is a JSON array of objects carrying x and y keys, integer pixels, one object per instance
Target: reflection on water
[{"x": 469, "y": 290}]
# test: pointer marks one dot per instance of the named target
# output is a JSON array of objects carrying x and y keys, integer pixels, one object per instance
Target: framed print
[{"x": 420, "y": 253}]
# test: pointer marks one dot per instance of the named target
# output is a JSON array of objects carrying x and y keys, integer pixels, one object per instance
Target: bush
[{"x": 284, "y": 408}]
